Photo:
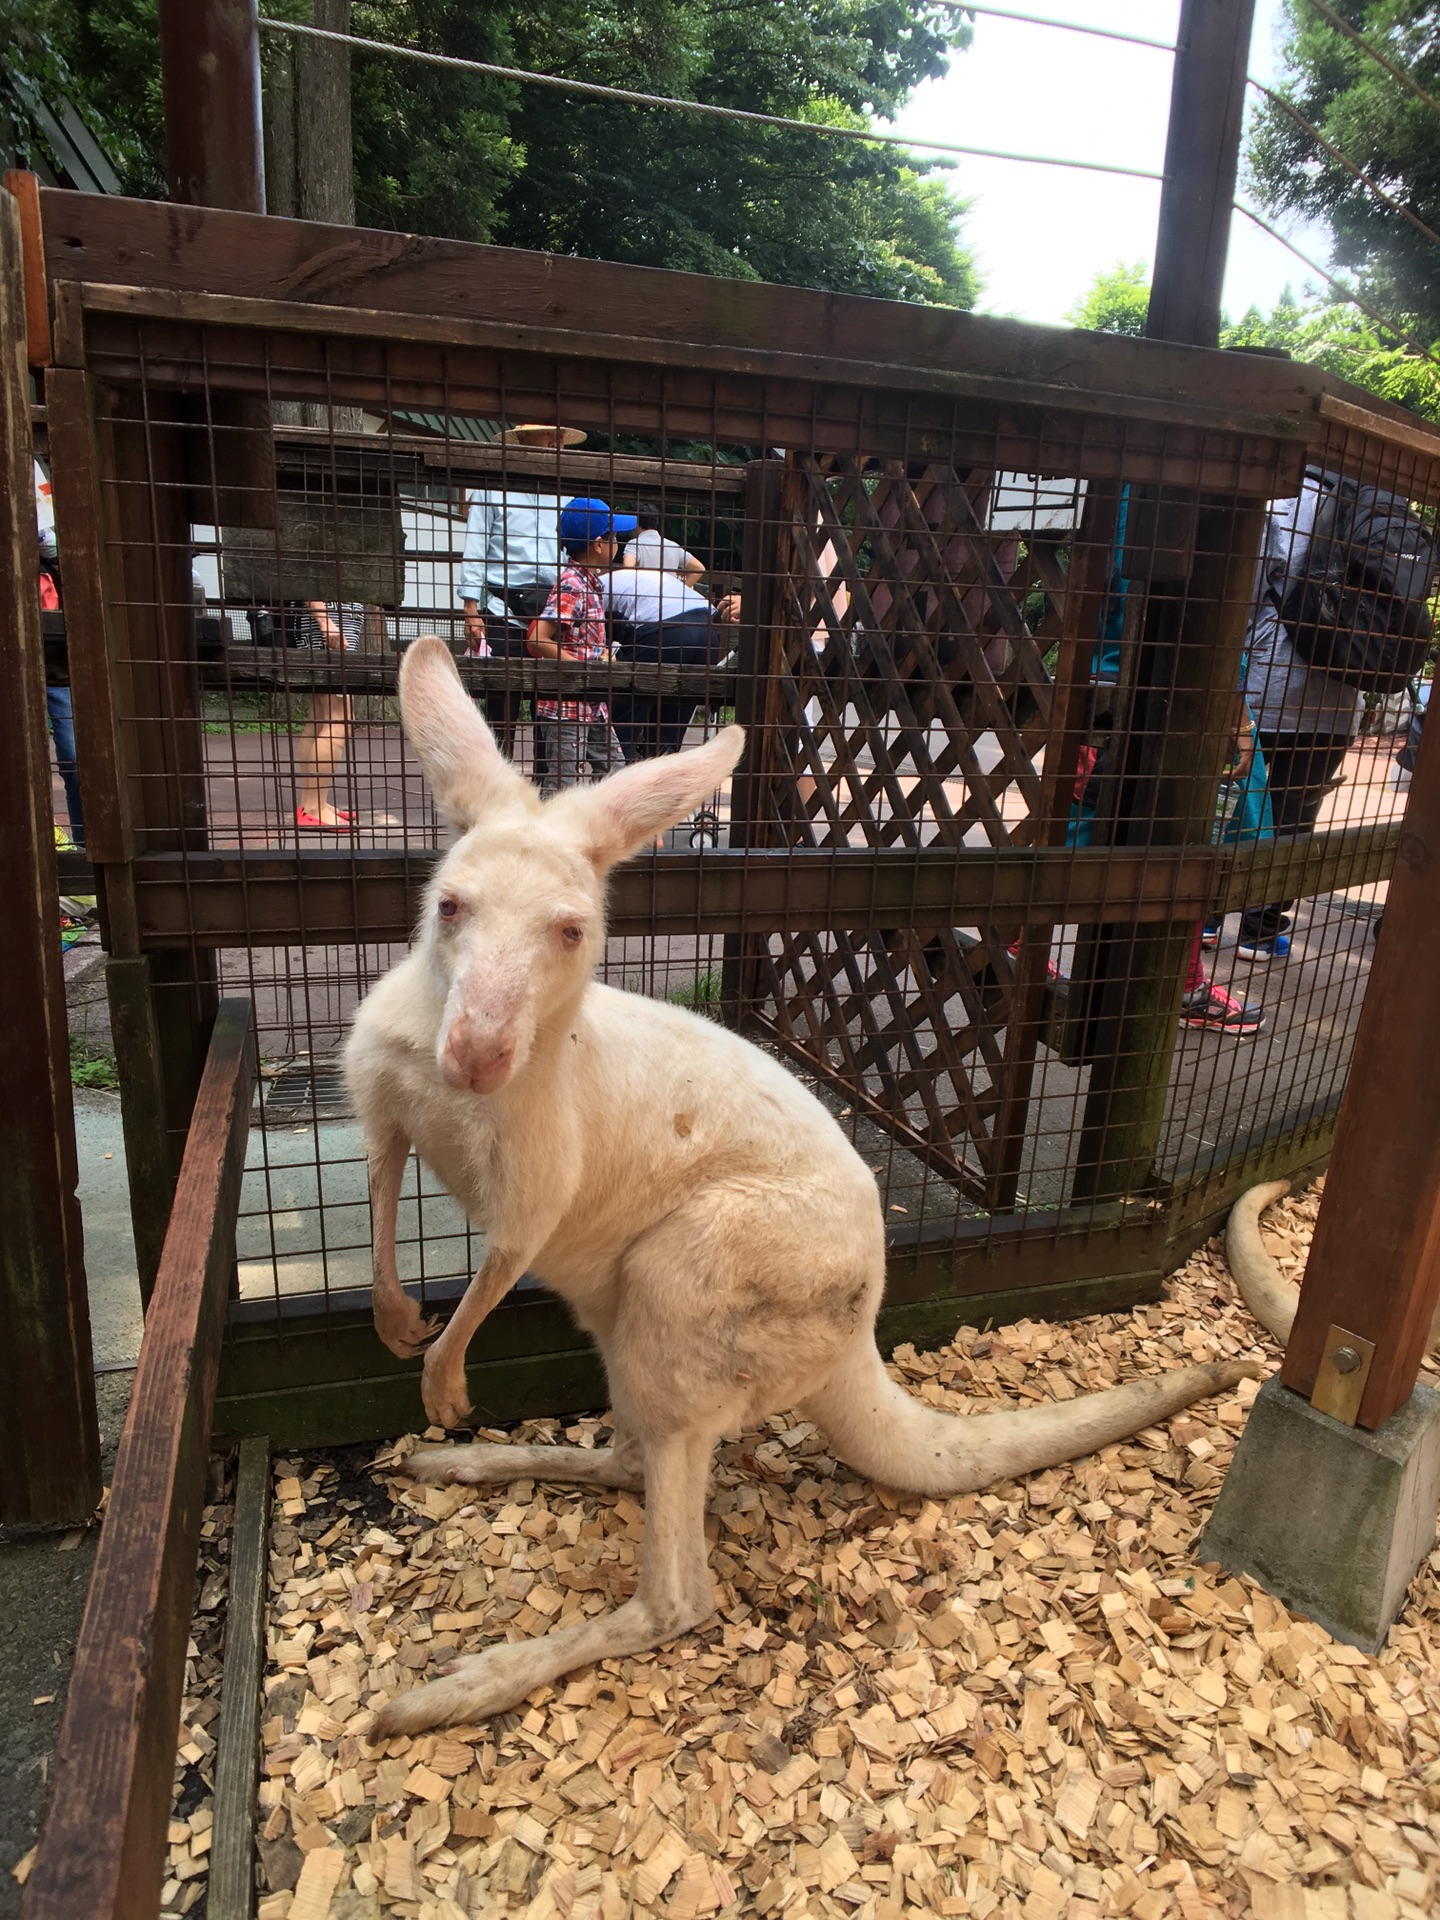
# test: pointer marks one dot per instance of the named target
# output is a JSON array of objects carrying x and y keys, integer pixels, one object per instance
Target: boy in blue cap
[{"x": 572, "y": 627}]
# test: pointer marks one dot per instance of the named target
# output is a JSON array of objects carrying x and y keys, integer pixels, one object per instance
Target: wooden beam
[
  {"x": 1202, "y": 157},
  {"x": 565, "y": 470},
  {"x": 102, "y": 1846},
  {"x": 210, "y": 79},
  {"x": 230, "y": 1890},
  {"x": 80, "y": 530},
  {"x": 25, "y": 188},
  {"x": 1374, "y": 1265},
  {"x": 146, "y": 244},
  {"x": 266, "y": 898},
  {"x": 49, "y": 1439}
]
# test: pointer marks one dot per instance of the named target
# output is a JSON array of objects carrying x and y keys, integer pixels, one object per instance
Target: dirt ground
[{"x": 43, "y": 1577}]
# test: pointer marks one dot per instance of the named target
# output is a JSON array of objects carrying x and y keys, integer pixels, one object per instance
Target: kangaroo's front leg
[
  {"x": 398, "y": 1319},
  {"x": 442, "y": 1385}
]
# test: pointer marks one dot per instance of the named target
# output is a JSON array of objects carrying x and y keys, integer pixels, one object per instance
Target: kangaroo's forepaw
[
  {"x": 443, "y": 1389},
  {"x": 471, "y": 1688},
  {"x": 404, "y": 1329}
]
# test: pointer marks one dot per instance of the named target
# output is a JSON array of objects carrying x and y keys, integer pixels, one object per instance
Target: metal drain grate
[{"x": 293, "y": 1092}]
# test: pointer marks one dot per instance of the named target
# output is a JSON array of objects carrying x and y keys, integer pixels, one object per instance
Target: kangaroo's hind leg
[
  {"x": 674, "y": 1595},
  {"x": 619, "y": 1466}
]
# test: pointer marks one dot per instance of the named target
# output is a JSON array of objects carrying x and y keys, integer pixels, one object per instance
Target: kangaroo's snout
[
  {"x": 481, "y": 1043},
  {"x": 476, "y": 1061}
]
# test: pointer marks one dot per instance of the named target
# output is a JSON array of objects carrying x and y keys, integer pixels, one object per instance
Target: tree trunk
[{"x": 309, "y": 154}]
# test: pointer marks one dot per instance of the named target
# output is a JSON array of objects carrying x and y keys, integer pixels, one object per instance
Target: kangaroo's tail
[{"x": 886, "y": 1434}]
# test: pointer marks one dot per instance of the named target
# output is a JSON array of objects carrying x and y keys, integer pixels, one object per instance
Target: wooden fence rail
[{"x": 102, "y": 1847}]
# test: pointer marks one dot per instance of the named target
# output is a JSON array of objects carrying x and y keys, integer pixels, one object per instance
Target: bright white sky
[{"x": 1043, "y": 233}]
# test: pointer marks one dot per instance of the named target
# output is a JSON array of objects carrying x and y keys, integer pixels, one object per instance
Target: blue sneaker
[
  {"x": 1210, "y": 932},
  {"x": 1277, "y": 947}
]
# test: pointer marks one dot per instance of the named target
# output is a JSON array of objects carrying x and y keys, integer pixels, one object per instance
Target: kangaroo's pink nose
[{"x": 474, "y": 1064}]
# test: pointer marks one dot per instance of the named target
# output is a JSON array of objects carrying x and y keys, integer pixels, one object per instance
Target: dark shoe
[
  {"x": 1210, "y": 932},
  {"x": 1213, "y": 1010}
]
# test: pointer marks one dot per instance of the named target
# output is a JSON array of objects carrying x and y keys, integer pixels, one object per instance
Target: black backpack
[{"x": 1357, "y": 609}]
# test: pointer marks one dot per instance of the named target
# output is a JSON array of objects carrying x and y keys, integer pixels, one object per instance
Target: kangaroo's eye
[
  {"x": 448, "y": 907},
  {"x": 572, "y": 935}
]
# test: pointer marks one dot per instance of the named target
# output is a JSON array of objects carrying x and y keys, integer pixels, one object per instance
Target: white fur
[{"x": 705, "y": 1218}]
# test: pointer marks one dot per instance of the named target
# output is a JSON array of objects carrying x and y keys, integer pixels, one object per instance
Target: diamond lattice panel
[{"x": 908, "y": 701}]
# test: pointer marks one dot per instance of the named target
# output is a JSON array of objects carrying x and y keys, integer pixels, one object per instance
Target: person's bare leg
[
  {"x": 674, "y": 1595},
  {"x": 319, "y": 749}
]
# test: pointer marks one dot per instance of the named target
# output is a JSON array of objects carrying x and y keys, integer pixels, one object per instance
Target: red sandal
[{"x": 345, "y": 823}]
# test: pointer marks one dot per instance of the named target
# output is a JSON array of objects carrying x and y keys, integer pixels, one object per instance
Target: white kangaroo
[{"x": 705, "y": 1218}]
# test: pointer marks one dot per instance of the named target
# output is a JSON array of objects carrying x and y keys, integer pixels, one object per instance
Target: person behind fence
[
  {"x": 334, "y": 627},
  {"x": 572, "y": 733},
  {"x": 652, "y": 550},
  {"x": 510, "y": 563},
  {"x": 1341, "y": 608},
  {"x": 1243, "y": 810},
  {"x": 659, "y": 616}
]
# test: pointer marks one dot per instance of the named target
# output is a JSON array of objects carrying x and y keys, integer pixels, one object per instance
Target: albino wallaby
[{"x": 704, "y": 1216}]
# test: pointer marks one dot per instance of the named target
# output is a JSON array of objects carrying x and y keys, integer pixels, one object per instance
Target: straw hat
[{"x": 539, "y": 433}]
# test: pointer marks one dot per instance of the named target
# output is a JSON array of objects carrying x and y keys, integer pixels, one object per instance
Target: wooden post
[
  {"x": 1202, "y": 155},
  {"x": 1374, "y": 1265},
  {"x": 754, "y": 703},
  {"x": 1180, "y": 727},
  {"x": 49, "y": 1437},
  {"x": 210, "y": 76}
]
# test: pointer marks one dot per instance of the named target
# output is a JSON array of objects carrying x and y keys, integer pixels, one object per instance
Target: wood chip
[{"x": 319, "y": 1877}]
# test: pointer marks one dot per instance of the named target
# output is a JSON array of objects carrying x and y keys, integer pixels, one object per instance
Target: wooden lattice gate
[{"x": 908, "y": 701}]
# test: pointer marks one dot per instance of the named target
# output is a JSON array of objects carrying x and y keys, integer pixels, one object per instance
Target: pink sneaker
[{"x": 1212, "y": 1009}]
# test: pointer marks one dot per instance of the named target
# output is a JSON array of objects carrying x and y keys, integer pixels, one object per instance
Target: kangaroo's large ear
[
  {"x": 626, "y": 811},
  {"x": 466, "y": 769}
]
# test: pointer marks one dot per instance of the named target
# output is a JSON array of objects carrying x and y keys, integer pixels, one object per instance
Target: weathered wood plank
[
  {"x": 296, "y": 670},
  {"x": 49, "y": 1440},
  {"x": 230, "y": 1891},
  {"x": 1374, "y": 1265},
  {"x": 313, "y": 319},
  {"x": 92, "y": 672},
  {"x": 226, "y": 898},
  {"x": 102, "y": 1847},
  {"x": 25, "y": 187},
  {"x": 344, "y": 452},
  {"x": 149, "y": 244}
]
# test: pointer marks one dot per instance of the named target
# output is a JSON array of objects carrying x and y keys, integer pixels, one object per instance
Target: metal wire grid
[{"x": 938, "y": 652}]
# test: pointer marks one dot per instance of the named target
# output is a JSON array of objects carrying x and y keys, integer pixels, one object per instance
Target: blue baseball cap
[{"x": 582, "y": 521}]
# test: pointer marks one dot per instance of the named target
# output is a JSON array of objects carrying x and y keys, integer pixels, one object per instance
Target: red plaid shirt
[{"x": 576, "y": 604}]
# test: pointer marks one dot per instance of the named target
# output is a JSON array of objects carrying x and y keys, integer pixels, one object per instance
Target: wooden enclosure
[{"x": 936, "y": 524}]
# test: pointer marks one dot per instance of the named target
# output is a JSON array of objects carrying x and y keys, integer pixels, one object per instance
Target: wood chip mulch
[
  {"x": 1029, "y": 1703},
  {"x": 190, "y": 1812}
]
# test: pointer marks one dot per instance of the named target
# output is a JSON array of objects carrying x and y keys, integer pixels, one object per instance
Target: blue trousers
[
  {"x": 647, "y": 726},
  {"x": 61, "y": 715}
]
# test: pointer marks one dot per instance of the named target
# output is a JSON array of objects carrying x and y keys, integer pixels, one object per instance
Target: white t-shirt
[
  {"x": 650, "y": 549},
  {"x": 644, "y": 596}
]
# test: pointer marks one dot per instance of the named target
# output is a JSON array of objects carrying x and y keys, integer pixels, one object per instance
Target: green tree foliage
[
  {"x": 102, "y": 56},
  {"x": 1115, "y": 302},
  {"x": 1344, "y": 341},
  {"x": 1382, "y": 128},
  {"x": 1336, "y": 336},
  {"x": 484, "y": 159}
]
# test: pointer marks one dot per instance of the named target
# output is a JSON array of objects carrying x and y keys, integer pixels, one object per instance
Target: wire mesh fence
[{"x": 1051, "y": 864}]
